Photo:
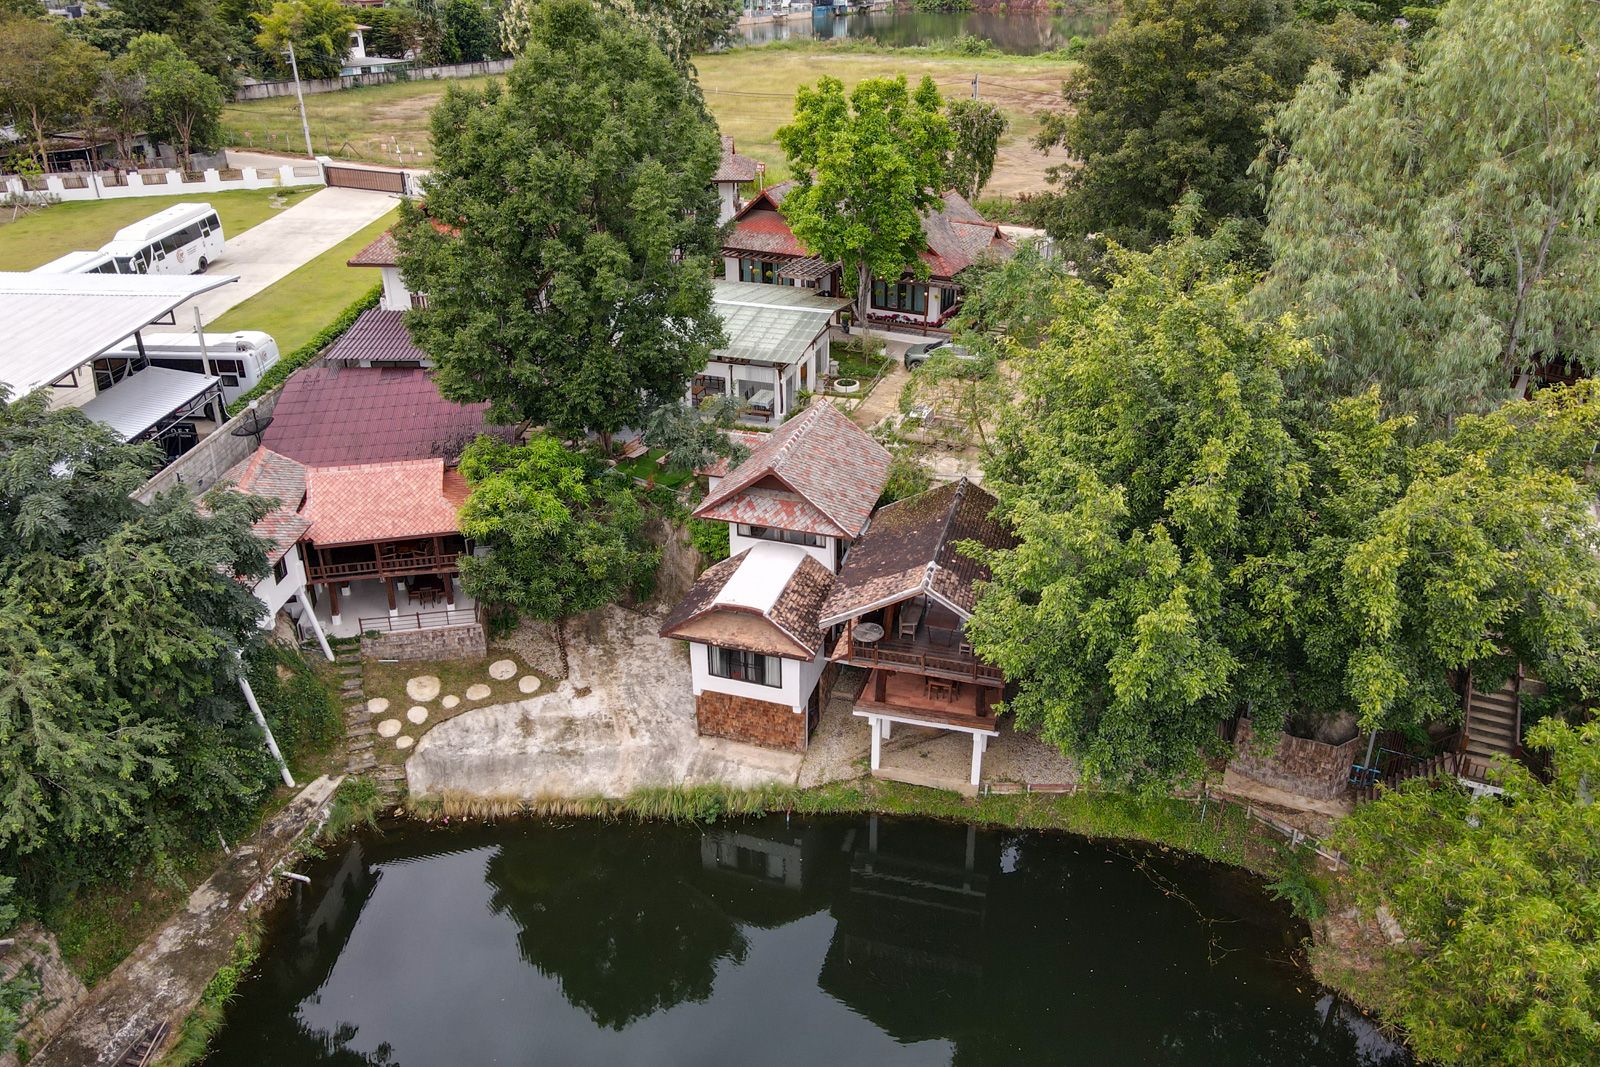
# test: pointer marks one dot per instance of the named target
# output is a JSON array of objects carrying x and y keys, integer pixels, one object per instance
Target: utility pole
[
  {"x": 305, "y": 126},
  {"x": 974, "y": 87}
]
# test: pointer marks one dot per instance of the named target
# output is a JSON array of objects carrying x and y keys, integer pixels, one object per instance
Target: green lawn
[
  {"x": 52, "y": 232},
  {"x": 295, "y": 308},
  {"x": 645, "y": 467}
]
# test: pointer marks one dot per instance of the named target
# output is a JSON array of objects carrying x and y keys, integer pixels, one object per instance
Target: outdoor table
[{"x": 868, "y": 632}]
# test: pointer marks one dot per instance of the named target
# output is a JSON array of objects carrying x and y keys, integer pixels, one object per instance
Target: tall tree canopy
[
  {"x": 976, "y": 127},
  {"x": 181, "y": 104},
  {"x": 1172, "y": 101},
  {"x": 680, "y": 28},
  {"x": 1194, "y": 545},
  {"x": 319, "y": 30},
  {"x": 197, "y": 26},
  {"x": 866, "y": 167},
  {"x": 47, "y": 79},
  {"x": 1470, "y": 179},
  {"x": 570, "y": 230}
]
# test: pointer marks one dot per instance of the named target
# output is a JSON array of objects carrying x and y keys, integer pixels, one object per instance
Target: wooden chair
[{"x": 910, "y": 617}]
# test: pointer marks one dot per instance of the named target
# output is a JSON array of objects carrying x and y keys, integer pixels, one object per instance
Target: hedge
[{"x": 309, "y": 351}]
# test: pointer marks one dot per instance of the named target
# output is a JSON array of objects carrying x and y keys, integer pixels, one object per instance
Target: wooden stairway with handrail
[{"x": 1491, "y": 723}]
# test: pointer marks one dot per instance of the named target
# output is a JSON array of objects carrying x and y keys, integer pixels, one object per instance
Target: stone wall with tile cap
[
  {"x": 1297, "y": 764},
  {"x": 755, "y": 722},
  {"x": 447, "y": 642}
]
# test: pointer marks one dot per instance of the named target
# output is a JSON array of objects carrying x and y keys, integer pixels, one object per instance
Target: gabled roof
[
  {"x": 771, "y": 325},
  {"x": 910, "y": 549},
  {"x": 265, "y": 473},
  {"x": 759, "y": 225},
  {"x": 378, "y": 335},
  {"x": 383, "y": 501},
  {"x": 380, "y": 253},
  {"x": 818, "y": 473},
  {"x": 766, "y": 599},
  {"x": 734, "y": 167},
  {"x": 333, "y": 416}
]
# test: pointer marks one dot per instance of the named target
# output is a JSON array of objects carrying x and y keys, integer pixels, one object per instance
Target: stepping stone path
[
  {"x": 477, "y": 692},
  {"x": 450, "y": 701},
  {"x": 418, "y": 714},
  {"x": 502, "y": 669},
  {"x": 528, "y": 683},
  {"x": 422, "y": 687},
  {"x": 404, "y": 742},
  {"x": 378, "y": 705},
  {"x": 388, "y": 727}
]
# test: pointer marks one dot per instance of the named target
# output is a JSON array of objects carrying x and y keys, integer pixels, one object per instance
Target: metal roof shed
[
  {"x": 140, "y": 402},
  {"x": 773, "y": 325}
]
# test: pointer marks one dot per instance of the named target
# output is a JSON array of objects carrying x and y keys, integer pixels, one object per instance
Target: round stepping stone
[
  {"x": 477, "y": 692},
  {"x": 404, "y": 742},
  {"x": 378, "y": 705},
  {"x": 502, "y": 669},
  {"x": 418, "y": 714},
  {"x": 422, "y": 687},
  {"x": 450, "y": 701},
  {"x": 528, "y": 683},
  {"x": 388, "y": 727}
]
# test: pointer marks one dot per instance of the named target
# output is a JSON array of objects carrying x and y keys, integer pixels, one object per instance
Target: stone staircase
[{"x": 360, "y": 737}]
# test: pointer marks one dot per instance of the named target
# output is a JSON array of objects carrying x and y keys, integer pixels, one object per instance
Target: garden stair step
[
  {"x": 363, "y": 762},
  {"x": 358, "y": 731}
]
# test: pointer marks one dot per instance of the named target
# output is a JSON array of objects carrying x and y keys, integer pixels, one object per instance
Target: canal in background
[
  {"x": 821, "y": 943},
  {"x": 1024, "y": 33}
]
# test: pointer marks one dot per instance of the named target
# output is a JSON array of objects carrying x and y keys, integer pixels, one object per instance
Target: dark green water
[
  {"x": 1023, "y": 33},
  {"x": 819, "y": 943}
]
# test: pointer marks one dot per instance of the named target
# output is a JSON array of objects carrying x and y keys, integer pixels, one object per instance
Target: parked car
[{"x": 917, "y": 355}]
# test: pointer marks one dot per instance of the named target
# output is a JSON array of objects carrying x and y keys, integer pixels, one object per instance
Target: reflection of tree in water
[{"x": 613, "y": 915}]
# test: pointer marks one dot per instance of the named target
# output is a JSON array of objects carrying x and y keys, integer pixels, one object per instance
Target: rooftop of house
[
  {"x": 266, "y": 473},
  {"x": 957, "y": 236},
  {"x": 766, "y": 600},
  {"x": 382, "y": 252},
  {"x": 383, "y": 501},
  {"x": 771, "y": 325},
  {"x": 734, "y": 167},
  {"x": 336, "y": 416},
  {"x": 910, "y": 549},
  {"x": 379, "y": 336},
  {"x": 818, "y": 473}
]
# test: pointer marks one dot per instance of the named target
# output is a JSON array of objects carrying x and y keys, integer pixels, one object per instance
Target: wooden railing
[
  {"x": 898, "y": 655},
  {"x": 419, "y": 620},
  {"x": 422, "y": 563}
]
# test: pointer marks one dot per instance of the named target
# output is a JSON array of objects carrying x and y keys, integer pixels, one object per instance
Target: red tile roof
[
  {"x": 734, "y": 167},
  {"x": 818, "y": 473},
  {"x": 383, "y": 501},
  {"x": 335, "y": 416},
  {"x": 786, "y": 627},
  {"x": 378, "y": 335},
  {"x": 265, "y": 473},
  {"x": 380, "y": 253}
]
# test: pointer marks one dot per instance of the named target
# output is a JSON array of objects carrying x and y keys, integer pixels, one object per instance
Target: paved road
[{"x": 267, "y": 252}]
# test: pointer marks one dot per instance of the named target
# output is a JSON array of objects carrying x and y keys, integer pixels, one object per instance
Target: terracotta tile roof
[
  {"x": 383, "y": 501},
  {"x": 739, "y": 603},
  {"x": 749, "y": 438},
  {"x": 265, "y": 473},
  {"x": 378, "y": 335},
  {"x": 335, "y": 416},
  {"x": 734, "y": 167},
  {"x": 380, "y": 253},
  {"x": 910, "y": 549},
  {"x": 818, "y": 473}
]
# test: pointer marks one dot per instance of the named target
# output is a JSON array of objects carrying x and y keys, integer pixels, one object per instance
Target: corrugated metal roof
[
  {"x": 141, "y": 400},
  {"x": 379, "y": 336},
  {"x": 771, "y": 324},
  {"x": 55, "y": 323}
]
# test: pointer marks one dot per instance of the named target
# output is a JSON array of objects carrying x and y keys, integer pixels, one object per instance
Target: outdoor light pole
[{"x": 305, "y": 126}]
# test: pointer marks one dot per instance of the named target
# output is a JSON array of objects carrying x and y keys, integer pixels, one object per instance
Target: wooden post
[
  {"x": 333, "y": 602},
  {"x": 879, "y": 684},
  {"x": 449, "y": 591},
  {"x": 388, "y": 587}
]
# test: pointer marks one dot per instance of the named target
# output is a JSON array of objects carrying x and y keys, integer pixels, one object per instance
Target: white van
[
  {"x": 183, "y": 239},
  {"x": 239, "y": 359},
  {"x": 80, "y": 263}
]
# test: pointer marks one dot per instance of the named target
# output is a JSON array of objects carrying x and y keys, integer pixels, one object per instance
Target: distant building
[
  {"x": 732, "y": 175},
  {"x": 356, "y": 60}
]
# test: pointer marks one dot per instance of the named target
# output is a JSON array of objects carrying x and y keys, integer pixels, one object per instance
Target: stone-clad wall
[
  {"x": 755, "y": 722},
  {"x": 1298, "y": 764},
  {"x": 447, "y": 642}
]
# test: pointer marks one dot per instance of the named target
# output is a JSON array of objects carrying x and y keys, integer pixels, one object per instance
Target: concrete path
[
  {"x": 283, "y": 243},
  {"x": 163, "y": 979},
  {"x": 885, "y": 396},
  {"x": 623, "y": 720}
]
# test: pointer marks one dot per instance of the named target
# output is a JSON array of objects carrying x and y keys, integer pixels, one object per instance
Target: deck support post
[
  {"x": 449, "y": 590},
  {"x": 316, "y": 624},
  {"x": 886, "y": 725},
  {"x": 876, "y": 724},
  {"x": 979, "y": 743},
  {"x": 333, "y": 603},
  {"x": 388, "y": 587}
]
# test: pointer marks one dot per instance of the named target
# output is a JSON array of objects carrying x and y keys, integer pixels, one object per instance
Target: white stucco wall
[
  {"x": 737, "y": 543},
  {"x": 396, "y": 297},
  {"x": 275, "y": 594},
  {"x": 799, "y": 679}
]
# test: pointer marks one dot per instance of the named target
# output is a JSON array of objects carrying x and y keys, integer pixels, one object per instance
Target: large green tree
[
  {"x": 197, "y": 26},
  {"x": 179, "y": 102},
  {"x": 570, "y": 230},
  {"x": 680, "y": 28},
  {"x": 47, "y": 79},
  {"x": 867, "y": 165},
  {"x": 1499, "y": 901},
  {"x": 1172, "y": 101},
  {"x": 319, "y": 31},
  {"x": 976, "y": 127},
  {"x": 1434, "y": 226}
]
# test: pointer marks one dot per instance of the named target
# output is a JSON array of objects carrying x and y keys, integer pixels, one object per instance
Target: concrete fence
[
  {"x": 268, "y": 90},
  {"x": 112, "y": 185}
]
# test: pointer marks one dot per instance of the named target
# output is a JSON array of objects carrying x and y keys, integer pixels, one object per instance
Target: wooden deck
[
  {"x": 933, "y": 652},
  {"x": 908, "y": 695}
]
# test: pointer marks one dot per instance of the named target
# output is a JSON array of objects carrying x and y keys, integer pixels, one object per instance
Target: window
[
  {"x": 910, "y": 297},
  {"x": 758, "y": 270},
  {"x": 419, "y": 300},
  {"x": 788, "y": 537},
  {"x": 949, "y": 298},
  {"x": 280, "y": 569},
  {"x": 68, "y": 380},
  {"x": 740, "y": 666}
]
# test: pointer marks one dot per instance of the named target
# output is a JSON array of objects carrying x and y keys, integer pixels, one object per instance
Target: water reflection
[
  {"x": 890, "y": 941},
  {"x": 1024, "y": 33}
]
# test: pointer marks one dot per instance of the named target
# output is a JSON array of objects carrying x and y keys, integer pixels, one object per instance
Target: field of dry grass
[{"x": 750, "y": 91}]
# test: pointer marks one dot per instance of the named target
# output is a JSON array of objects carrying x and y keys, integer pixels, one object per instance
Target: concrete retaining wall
[
  {"x": 110, "y": 186},
  {"x": 755, "y": 722},
  {"x": 267, "y": 90},
  {"x": 59, "y": 989},
  {"x": 205, "y": 463},
  {"x": 447, "y": 642},
  {"x": 1297, "y": 764}
]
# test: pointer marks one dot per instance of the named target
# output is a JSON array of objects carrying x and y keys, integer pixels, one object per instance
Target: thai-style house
[
  {"x": 378, "y": 337},
  {"x": 778, "y": 348},
  {"x": 733, "y": 173},
  {"x": 813, "y": 482},
  {"x": 903, "y": 598},
  {"x": 761, "y": 248}
]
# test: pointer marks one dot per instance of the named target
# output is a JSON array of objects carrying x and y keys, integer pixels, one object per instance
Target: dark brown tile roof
[
  {"x": 788, "y": 627},
  {"x": 734, "y": 167},
  {"x": 910, "y": 549},
  {"x": 380, "y": 253},
  {"x": 378, "y": 335},
  {"x": 818, "y": 473},
  {"x": 337, "y": 416},
  {"x": 265, "y": 473}
]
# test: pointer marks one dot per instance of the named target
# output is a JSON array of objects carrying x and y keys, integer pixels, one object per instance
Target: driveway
[
  {"x": 623, "y": 719},
  {"x": 275, "y": 248}
]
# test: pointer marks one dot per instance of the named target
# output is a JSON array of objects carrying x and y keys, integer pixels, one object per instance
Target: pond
[
  {"x": 1024, "y": 33},
  {"x": 831, "y": 942}
]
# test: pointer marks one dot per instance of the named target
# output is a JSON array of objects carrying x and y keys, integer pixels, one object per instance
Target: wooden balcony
[
  {"x": 932, "y": 653},
  {"x": 383, "y": 563},
  {"x": 931, "y": 700}
]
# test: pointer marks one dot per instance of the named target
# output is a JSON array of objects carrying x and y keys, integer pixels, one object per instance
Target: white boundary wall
[
  {"x": 310, "y": 86},
  {"x": 83, "y": 186}
]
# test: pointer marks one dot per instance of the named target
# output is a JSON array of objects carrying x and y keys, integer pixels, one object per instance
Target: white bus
[
  {"x": 239, "y": 359},
  {"x": 80, "y": 263},
  {"x": 183, "y": 239}
]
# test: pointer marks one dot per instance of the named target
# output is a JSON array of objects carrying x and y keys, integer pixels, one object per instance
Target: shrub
[{"x": 710, "y": 539}]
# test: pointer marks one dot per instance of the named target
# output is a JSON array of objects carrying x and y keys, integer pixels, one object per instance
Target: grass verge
[
  {"x": 49, "y": 233},
  {"x": 296, "y": 308},
  {"x": 194, "y": 1036}
]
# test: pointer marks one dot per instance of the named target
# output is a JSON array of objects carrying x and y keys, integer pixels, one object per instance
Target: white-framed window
[
  {"x": 788, "y": 537},
  {"x": 741, "y": 666}
]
